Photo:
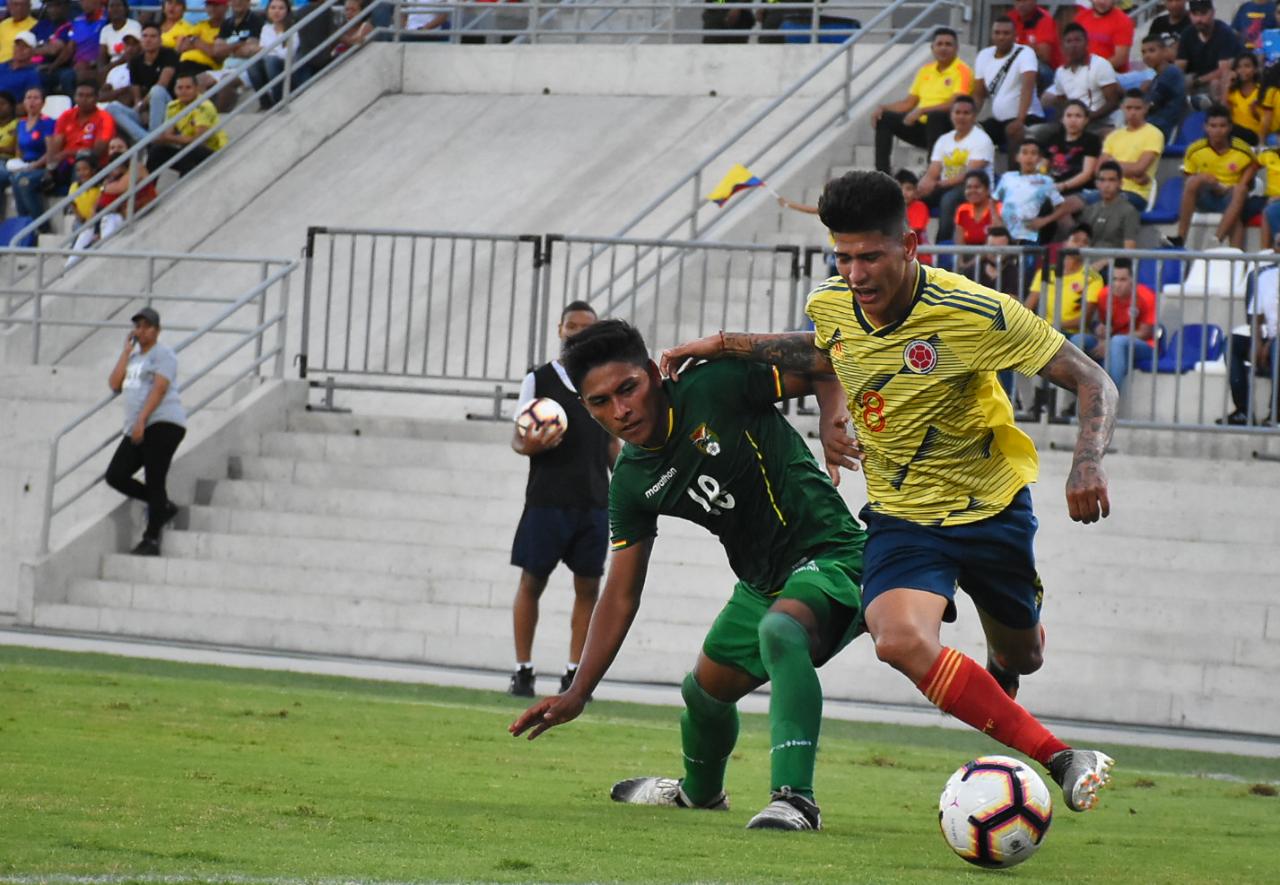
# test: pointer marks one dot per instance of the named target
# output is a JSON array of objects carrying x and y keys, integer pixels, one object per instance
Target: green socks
[
  {"x": 708, "y": 731},
  {"x": 795, "y": 705}
]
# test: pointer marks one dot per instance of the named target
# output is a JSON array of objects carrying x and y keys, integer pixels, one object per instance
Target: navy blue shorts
[
  {"x": 992, "y": 560},
  {"x": 549, "y": 535}
]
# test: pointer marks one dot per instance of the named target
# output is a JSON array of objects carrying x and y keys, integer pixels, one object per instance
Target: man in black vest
[{"x": 566, "y": 502}]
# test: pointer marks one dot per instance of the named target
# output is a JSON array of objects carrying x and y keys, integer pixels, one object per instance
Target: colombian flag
[{"x": 739, "y": 178}]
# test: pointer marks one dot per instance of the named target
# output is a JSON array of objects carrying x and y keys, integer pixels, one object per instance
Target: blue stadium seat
[
  {"x": 1168, "y": 200},
  {"x": 1190, "y": 129},
  {"x": 9, "y": 229},
  {"x": 945, "y": 261},
  {"x": 831, "y": 29},
  {"x": 1170, "y": 271},
  {"x": 1186, "y": 348}
]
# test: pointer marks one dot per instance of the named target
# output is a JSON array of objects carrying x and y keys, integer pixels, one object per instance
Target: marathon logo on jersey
[
  {"x": 920, "y": 356},
  {"x": 662, "y": 481},
  {"x": 704, "y": 439}
]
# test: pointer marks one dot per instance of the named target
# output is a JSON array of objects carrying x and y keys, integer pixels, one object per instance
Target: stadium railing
[{"x": 255, "y": 321}]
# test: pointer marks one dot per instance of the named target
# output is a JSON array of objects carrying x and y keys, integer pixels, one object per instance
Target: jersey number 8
[
  {"x": 873, "y": 411},
  {"x": 716, "y": 497}
]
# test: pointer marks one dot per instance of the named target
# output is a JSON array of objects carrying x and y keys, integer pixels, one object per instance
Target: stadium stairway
[{"x": 389, "y": 538}]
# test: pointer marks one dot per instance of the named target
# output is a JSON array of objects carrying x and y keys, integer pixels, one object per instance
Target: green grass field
[{"x": 128, "y": 769}]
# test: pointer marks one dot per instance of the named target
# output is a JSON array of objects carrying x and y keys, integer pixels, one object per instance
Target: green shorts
[{"x": 828, "y": 585}]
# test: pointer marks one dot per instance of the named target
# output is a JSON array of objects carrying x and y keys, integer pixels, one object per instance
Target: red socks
[{"x": 956, "y": 684}]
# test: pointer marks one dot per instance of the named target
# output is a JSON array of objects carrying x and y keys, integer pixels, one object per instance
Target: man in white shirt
[
  {"x": 1083, "y": 76},
  {"x": 1258, "y": 344},
  {"x": 1006, "y": 72},
  {"x": 966, "y": 148}
]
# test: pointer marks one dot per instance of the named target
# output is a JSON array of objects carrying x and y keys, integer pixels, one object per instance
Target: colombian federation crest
[
  {"x": 704, "y": 439},
  {"x": 920, "y": 356}
]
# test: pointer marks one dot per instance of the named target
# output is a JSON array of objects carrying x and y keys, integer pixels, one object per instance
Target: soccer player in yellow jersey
[
  {"x": 917, "y": 349},
  {"x": 1218, "y": 170}
]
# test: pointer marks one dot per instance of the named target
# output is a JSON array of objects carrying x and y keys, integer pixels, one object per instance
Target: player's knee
[
  {"x": 587, "y": 591},
  {"x": 701, "y": 706},
  {"x": 1028, "y": 661},
  {"x": 906, "y": 649},
  {"x": 781, "y": 635}
]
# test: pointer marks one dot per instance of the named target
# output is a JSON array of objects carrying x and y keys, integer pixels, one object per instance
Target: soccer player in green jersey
[
  {"x": 716, "y": 452},
  {"x": 917, "y": 350}
]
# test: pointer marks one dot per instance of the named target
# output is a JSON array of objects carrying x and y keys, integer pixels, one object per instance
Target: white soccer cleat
[
  {"x": 663, "y": 791},
  {"x": 1081, "y": 774},
  {"x": 787, "y": 811}
]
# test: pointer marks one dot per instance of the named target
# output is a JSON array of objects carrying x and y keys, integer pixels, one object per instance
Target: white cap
[{"x": 26, "y": 37}]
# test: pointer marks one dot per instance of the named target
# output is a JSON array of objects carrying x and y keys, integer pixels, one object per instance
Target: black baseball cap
[{"x": 149, "y": 314}]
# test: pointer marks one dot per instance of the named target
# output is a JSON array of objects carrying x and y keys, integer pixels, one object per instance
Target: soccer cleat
[
  {"x": 664, "y": 791},
  {"x": 522, "y": 683},
  {"x": 1081, "y": 774},
  {"x": 147, "y": 547},
  {"x": 787, "y": 811}
]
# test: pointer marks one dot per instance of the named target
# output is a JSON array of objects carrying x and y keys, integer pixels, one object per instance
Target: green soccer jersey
[{"x": 734, "y": 464}]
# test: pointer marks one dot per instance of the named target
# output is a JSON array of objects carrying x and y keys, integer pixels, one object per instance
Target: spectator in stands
[
  {"x": 111, "y": 38},
  {"x": 20, "y": 21},
  {"x": 1250, "y": 20},
  {"x": 719, "y": 15},
  {"x": 154, "y": 424},
  {"x": 974, "y": 217},
  {"x": 174, "y": 27},
  {"x": 1110, "y": 32},
  {"x": 428, "y": 23},
  {"x": 8, "y": 128},
  {"x": 1113, "y": 220},
  {"x": 1136, "y": 147},
  {"x": 1007, "y": 73},
  {"x": 197, "y": 53},
  {"x": 565, "y": 516},
  {"x": 1219, "y": 170},
  {"x": 917, "y": 210},
  {"x": 84, "y": 40},
  {"x": 1036, "y": 28},
  {"x": 84, "y": 203},
  {"x": 924, "y": 115},
  {"x": 1071, "y": 292},
  {"x": 54, "y": 46},
  {"x": 1023, "y": 193},
  {"x": 355, "y": 35},
  {"x": 82, "y": 127},
  {"x": 1004, "y": 273},
  {"x": 1251, "y": 112},
  {"x": 1124, "y": 324},
  {"x": 116, "y": 86},
  {"x": 237, "y": 43},
  {"x": 112, "y": 199},
  {"x": 1084, "y": 77},
  {"x": 965, "y": 148},
  {"x": 1260, "y": 346},
  {"x": 35, "y": 137},
  {"x": 1205, "y": 54},
  {"x": 151, "y": 73},
  {"x": 1269, "y": 162},
  {"x": 278, "y": 48},
  {"x": 19, "y": 73},
  {"x": 1167, "y": 92},
  {"x": 1173, "y": 23},
  {"x": 195, "y": 116},
  {"x": 1073, "y": 151}
]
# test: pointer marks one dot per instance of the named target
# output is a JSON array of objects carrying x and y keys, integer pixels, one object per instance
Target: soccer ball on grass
[{"x": 995, "y": 811}]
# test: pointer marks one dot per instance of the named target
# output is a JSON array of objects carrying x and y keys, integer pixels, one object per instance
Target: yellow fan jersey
[
  {"x": 937, "y": 429},
  {"x": 1228, "y": 167}
]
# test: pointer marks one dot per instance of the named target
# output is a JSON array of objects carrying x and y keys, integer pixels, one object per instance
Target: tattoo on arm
[
  {"x": 1097, "y": 396},
  {"x": 795, "y": 351}
]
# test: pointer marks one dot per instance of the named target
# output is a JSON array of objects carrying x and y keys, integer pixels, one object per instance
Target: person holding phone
[{"x": 154, "y": 424}]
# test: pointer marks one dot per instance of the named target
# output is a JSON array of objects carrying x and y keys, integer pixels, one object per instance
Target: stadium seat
[
  {"x": 1190, "y": 129},
  {"x": 1192, "y": 344},
  {"x": 1168, "y": 201},
  {"x": 831, "y": 29},
  {"x": 1169, "y": 270},
  {"x": 1142, "y": 361},
  {"x": 9, "y": 229},
  {"x": 55, "y": 105},
  {"x": 1212, "y": 276}
]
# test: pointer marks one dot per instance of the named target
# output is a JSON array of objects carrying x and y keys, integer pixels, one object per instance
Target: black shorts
[{"x": 550, "y": 535}]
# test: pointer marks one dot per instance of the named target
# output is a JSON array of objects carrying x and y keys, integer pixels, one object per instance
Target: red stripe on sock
[{"x": 958, "y": 685}]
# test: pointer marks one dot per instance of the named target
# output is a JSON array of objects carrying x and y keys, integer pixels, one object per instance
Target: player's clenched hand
[
  {"x": 673, "y": 359},
  {"x": 839, "y": 449},
  {"x": 541, "y": 439},
  {"x": 1087, "y": 499},
  {"x": 547, "y": 713}
]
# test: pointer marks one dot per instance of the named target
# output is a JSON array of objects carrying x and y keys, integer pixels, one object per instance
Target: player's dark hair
[
  {"x": 576, "y": 305},
  {"x": 608, "y": 341},
  {"x": 1217, "y": 110},
  {"x": 979, "y": 175},
  {"x": 944, "y": 32},
  {"x": 1110, "y": 166},
  {"x": 1073, "y": 28},
  {"x": 858, "y": 202},
  {"x": 906, "y": 176},
  {"x": 1123, "y": 264}
]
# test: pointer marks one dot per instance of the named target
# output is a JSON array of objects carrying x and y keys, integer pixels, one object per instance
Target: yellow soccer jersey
[
  {"x": 937, "y": 429},
  {"x": 1228, "y": 167},
  {"x": 934, "y": 87},
  {"x": 1269, "y": 160},
  {"x": 1079, "y": 289}
]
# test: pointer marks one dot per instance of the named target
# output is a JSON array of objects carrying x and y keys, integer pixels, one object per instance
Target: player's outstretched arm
[
  {"x": 794, "y": 351},
  {"x": 1097, "y": 396},
  {"x": 610, "y": 623}
]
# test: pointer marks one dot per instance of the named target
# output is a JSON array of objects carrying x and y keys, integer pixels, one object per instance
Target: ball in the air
[{"x": 539, "y": 413}]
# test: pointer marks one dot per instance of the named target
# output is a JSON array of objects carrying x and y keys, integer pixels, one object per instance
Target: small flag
[{"x": 739, "y": 178}]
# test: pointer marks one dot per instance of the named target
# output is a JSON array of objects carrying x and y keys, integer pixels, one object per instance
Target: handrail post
[
  {"x": 38, "y": 313},
  {"x": 132, "y": 203},
  {"x": 262, "y": 315},
  {"x": 697, "y": 204},
  {"x": 51, "y": 475},
  {"x": 288, "y": 75},
  {"x": 309, "y": 252},
  {"x": 535, "y": 19},
  {"x": 282, "y": 329}
]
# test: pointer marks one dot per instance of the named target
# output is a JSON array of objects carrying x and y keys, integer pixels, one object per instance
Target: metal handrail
[{"x": 279, "y": 320}]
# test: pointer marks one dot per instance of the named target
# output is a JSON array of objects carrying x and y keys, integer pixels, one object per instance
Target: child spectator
[
  {"x": 1219, "y": 170},
  {"x": 917, "y": 210},
  {"x": 1250, "y": 20},
  {"x": 974, "y": 217},
  {"x": 965, "y": 148},
  {"x": 1113, "y": 220},
  {"x": 113, "y": 201},
  {"x": 1136, "y": 147},
  {"x": 1110, "y": 32},
  {"x": 1205, "y": 53},
  {"x": 1124, "y": 324},
  {"x": 195, "y": 116},
  {"x": 1167, "y": 93},
  {"x": 1022, "y": 194},
  {"x": 1250, "y": 113},
  {"x": 1073, "y": 152},
  {"x": 84, "y": 202},
  {"x": 1069, "y": 295}
]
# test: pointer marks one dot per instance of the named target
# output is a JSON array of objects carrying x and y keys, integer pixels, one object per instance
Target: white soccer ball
[
  {"x": 539, "y": 413},
  {"x": 995, "y": 811}
]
